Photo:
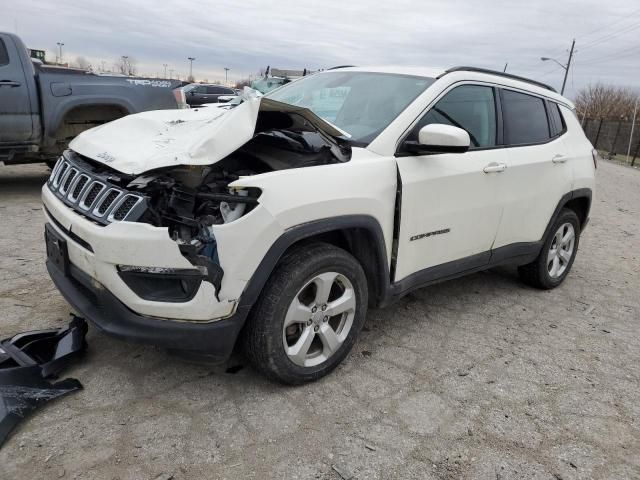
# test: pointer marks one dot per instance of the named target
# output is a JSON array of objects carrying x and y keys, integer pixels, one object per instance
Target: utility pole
[
  {"x": 226, "y": 76},
  {"x": 566, "y": 67},
  {"x": 60, "y": 45},
  {"x": 633, "y": 124},
  {"x": 165, "y": 69},
  {"x": 566, "y": 70},
  {"x": 191, "y": 59},
  {"x": 170, "y": 73}
]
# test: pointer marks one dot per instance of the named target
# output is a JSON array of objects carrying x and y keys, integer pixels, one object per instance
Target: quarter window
[
  {"x": 525, "y": 118},
  {"x": 4, "y": 55},
  {"x": 470, "y": 107},
  {"x": 557, "y": 122}
]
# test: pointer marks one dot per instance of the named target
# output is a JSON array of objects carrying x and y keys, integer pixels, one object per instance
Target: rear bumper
[{"x": 215, "y": 340}]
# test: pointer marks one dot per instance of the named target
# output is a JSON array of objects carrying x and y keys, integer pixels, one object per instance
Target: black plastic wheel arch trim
[{"x": 310, "y": 229}]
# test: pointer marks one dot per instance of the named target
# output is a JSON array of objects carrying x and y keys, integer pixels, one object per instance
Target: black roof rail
[
  {"x": 501, "y": 74},
  {"x": 340, "y": 66}
]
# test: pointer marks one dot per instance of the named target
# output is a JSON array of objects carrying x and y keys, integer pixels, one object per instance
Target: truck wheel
[
  {"x": 308, "y": 315},
  {"x": 557, "y": 254}
]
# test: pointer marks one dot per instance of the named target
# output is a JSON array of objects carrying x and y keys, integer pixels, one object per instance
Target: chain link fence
[{"x": 613, "y": 136}]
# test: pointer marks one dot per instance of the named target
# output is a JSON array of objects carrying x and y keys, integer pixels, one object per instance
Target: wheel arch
[
  {"x": 56, "y": 119},
  {"x": 360, "y": 235},
  {"x": 577, "y": 200}
]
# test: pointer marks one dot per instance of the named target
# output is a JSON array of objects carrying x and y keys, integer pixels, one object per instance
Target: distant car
[{"x": 200, "y": 94}]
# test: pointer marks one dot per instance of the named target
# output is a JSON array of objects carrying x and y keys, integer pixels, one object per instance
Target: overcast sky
[{"x": 249, "y": 35}]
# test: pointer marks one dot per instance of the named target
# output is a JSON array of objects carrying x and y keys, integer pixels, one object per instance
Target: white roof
[{"x": 435, "y": 72}]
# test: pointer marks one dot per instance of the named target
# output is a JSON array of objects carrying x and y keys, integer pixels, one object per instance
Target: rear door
[
  {"x": 540, "y": 166},
  {"x": 452, "y": 203},
  {"x": 15, "y": 107}
]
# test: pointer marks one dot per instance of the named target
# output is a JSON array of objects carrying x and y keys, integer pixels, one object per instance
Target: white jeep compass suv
[{"x": 275, "y": 222}]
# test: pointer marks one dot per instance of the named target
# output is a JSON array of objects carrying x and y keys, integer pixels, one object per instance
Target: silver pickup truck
[{"x": 43, "y": 107}]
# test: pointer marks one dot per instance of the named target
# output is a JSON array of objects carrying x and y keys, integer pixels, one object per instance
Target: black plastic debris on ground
[{"x": 27, "y": 361}]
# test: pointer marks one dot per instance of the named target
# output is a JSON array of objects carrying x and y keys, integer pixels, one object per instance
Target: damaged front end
[{"x": 187, "y": 187}]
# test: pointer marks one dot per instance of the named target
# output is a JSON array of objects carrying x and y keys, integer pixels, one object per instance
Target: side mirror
[{"x": 440, "y": 138}]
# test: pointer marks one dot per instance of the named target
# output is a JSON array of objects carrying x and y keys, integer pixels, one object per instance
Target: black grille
[
  {"x": 125, "y": 207},
  {"x": 90, "y": 191},
  {"x": 107, "y": 201},
  {"x": 79, "y": 186},
  {"x": 70, "y": 178},
  {"x": 61, "y": 172},
  {"x": 93, "y": 193}
]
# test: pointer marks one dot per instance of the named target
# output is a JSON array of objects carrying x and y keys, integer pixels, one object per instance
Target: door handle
[
  {"x": 559, "y": 158},
  {"x": 494, "y": 167},
  {"x": 9, "y": 83}
]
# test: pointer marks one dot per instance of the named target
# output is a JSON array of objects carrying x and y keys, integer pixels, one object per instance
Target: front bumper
[{"x": 93, "y": 301}]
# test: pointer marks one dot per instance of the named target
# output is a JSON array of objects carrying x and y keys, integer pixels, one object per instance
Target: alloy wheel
[
  {"x": 319, "y": 319},
  {"x": 561, "y": 250}
]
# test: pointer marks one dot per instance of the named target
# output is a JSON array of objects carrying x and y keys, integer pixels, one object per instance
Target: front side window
[
  {"x": 470, "y": 107},
  {"x": 525, "y": 118},
  {"x": 362, "y": 104},
  {"x": 4, "y": 55}
]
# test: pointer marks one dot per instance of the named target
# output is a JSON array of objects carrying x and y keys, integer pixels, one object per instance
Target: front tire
[
  {"x": 308, "y": 316},
  {"x": 557, "y": 255}
]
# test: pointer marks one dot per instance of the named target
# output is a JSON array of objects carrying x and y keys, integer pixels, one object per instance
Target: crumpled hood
[{"x": 145, "y": 141}]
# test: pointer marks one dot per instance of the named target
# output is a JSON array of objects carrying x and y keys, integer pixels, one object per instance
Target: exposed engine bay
[{"x": 188, "y": 199}]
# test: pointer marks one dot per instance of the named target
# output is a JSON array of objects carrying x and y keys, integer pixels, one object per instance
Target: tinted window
[
  {"x": 524, "y": 117},
  {"x": 470, "y": 107},
  {"x": 557, "y": 122},
  {"x": 4, "y": 56},
  {"x": 215, "y": 90}
]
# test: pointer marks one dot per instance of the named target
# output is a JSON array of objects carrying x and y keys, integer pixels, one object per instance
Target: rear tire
[
  {"x": 557, "y": 255},
  {"x": 308, "y": 315}
]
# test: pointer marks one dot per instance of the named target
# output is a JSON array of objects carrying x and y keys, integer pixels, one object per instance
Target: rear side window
[
  {"x": 4, "y": 55},
  {"x": 470, "y": 107},
  {"x": 525, "y": 118},
  {"x": 557, "y": 122}
]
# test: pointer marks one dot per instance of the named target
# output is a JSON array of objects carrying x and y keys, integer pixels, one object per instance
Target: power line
[
  {"x": 615, "y": 56},
  {"x": 599, "y": 29},
  {"x": 609, "y": 36}
]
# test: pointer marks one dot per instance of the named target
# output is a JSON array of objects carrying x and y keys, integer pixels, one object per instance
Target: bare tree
[
  {"x": 127, "y": 65},
  {"x": 605, "y": 101}
]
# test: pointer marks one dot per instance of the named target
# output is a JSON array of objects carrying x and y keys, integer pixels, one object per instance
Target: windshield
[{"x": 362, "y": 104}]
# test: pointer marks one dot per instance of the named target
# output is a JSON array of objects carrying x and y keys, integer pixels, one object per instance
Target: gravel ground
[{"x": 480, "y": 377}]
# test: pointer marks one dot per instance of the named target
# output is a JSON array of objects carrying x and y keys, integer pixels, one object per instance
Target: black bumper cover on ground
[
  {"x": 27, "y": 363},
  {"x": 213, "y": 341}
]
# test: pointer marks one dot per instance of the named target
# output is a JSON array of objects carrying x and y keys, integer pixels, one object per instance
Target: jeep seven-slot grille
[
  {"x": 107, "y": 201},
  {"x": 125, "y": 207},
  {"x": 91, "y": 194}
]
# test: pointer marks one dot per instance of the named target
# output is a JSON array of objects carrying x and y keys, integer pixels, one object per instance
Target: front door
[
  {"x": 451, "y": 203},
  {"x": 15, "y": 107}
]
